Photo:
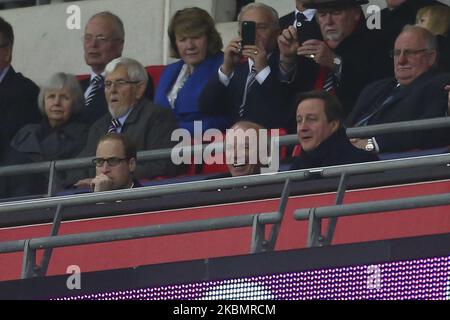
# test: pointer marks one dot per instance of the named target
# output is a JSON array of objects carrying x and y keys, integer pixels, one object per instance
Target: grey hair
[
  {"x": 429, "y": 38},
  {"x": 119, "y": 24},
  {"x": 58, "y": 81},
  {"x": 135, "y": 70},
  {"x": 255, "y": 5}
]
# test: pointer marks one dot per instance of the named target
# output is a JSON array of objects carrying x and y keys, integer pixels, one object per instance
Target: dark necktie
[
  {"x": 250, "y": 80},
  {"x": 96, "y": 86},
  {"x": 329, "y": 83},
  {"x": 114, "y": 126},
  {"x": 375, "y": 113},
  {"x": 300, "y": 17}
]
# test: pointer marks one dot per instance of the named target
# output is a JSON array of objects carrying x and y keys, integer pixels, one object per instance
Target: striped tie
[
  {"x": 96, "y": 86},
  {"x": 114, "y": 126},
  {"x": 250, "y": 80},
  {"x": 329, "y": 82},
  {"x": 300, "y": 17}
]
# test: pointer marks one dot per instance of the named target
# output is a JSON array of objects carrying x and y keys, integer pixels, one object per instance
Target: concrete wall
[{"x": 45, "y": 45}]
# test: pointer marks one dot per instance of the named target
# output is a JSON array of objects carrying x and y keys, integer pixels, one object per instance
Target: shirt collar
[
  {"x": 309, "y": 14},
  {"x": 124, "y": 117},
  {"x": 3, "y": 73},
  {"x": 93, "y": 75}
]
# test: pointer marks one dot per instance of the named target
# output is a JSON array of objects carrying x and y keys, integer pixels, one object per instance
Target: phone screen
[
  {"x": 248, "y": 32},
  {"x": 308, "y": 31}
]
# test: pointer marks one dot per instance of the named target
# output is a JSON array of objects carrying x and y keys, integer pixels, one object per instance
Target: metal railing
[
  {"x": 315, "y": 215},
  {"x": 257, "y": 221},
  {"x": 62, "y": 165}
]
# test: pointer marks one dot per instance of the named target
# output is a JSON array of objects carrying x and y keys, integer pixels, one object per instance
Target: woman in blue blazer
[{"x": 196, "y": 42}]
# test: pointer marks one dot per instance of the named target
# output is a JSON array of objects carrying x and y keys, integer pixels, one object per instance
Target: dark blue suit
[
  {"x": 265, "y": 103},
  {"x": 186, "y": 105},
  {"x": 424, "y": 98},
  {"x": 335, "y": 150}
]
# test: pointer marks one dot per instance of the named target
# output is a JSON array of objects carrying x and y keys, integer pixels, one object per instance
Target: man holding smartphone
[
  {"x": 247, "y": 85},
  {"x": 349, "y": 56}
]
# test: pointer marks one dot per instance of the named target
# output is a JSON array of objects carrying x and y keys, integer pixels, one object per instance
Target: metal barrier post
[
  {"x": 41, "y": 270},
  {"x": 314, "y": 229},
  {"x": 29, "y": 261},
  {"x": 259, "y": 242},
  {"x": 328, "y": 238}
]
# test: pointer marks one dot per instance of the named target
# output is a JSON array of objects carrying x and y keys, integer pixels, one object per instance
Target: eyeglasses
[
  {"x": 118, "y": 83},
  {"x": 112, "y": 162},
  {"x": 99, "y": 38},
  {"x": 407, "y": 52}
]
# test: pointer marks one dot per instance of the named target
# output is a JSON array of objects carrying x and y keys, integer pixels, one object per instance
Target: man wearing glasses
[
  {"x": 103, "y": 41},
  {"x": 115, "y": 163},
  {"x": 132, "y": 114},
  {"x": 416, "y": 92}
]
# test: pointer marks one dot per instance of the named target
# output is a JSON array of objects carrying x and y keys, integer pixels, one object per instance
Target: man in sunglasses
[
  {"x": 416, "y": 92},
  {"x": 115, "y": 163}
]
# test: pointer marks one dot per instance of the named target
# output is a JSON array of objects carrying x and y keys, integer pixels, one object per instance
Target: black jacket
[
  {"x": 424, "y": 98},
  {"x": 38, "y": 143},
  {"x": 18, "y": 106},
  {"x": 99, "y": 106},
  {"x": 336, "y": 150},
  {"x": 265, "y": 103}
]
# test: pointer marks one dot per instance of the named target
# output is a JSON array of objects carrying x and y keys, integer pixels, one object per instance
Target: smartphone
[
  {"x": 248, "y": 33},
  {"x": 309, "y": 30}
]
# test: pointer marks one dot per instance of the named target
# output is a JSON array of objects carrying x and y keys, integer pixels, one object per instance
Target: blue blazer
[{"x": 186, "y": 106}]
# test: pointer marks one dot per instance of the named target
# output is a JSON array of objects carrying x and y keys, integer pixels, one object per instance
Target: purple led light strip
[{"x": 413, "y": 279}]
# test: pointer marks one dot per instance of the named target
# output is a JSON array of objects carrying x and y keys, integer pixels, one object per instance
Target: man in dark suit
[
  {"x": 18, "y": 95},
  {"x": 416, "y": 92},
  {"x": 321, "y": 135},
  {"x": 250, "y": 89},
  {"x": 104, "y": 39},
  {"x": 349, "y": 56},
  {"x": 130, "y": 113}
]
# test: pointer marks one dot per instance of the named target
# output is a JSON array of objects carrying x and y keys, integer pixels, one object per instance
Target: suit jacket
[
  {"x": 148, "y": 126},
  {"x": 424, "y": 98},
  {"x": 364, "y": 60},
  {"x": 186, "y": 106},
  {"x": 336, "y": 150},
  {"x": 18, "y": 106},
  {"x": 264, "y": 104},
  {"x": 37, "y": 143},
  {"x": 99, "y": 106}
]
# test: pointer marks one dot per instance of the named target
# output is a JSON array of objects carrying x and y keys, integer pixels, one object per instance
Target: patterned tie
[
  {"x": 300, "y": 17},
  {"x": 250, "y": 80},
  {"x": 329, "y": 82},
  {"x": 114, "y": 126},
  {"x": 375, "y": 113},
  {"x": 96, "y": 86}
]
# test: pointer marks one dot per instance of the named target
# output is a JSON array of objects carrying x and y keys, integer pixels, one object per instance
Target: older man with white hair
[{"x": 130, "y": 113}]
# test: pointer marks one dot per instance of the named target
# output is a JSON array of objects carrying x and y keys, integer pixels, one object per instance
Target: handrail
[
  {"x": 205, "y": 185},
  {"x": 148, "y": 155},
  {"x": 374, "y": 206},
  {"x": 138, "y": 232},
  {"x": 315, "y": 215}
]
